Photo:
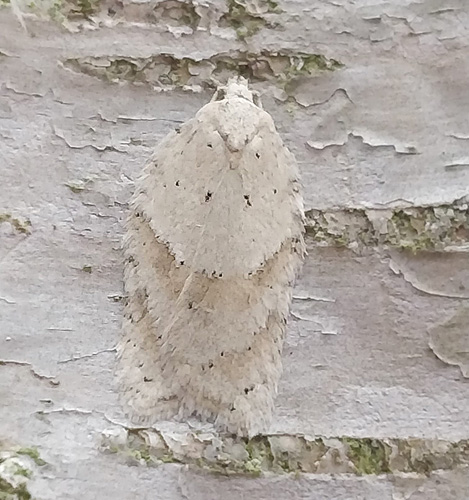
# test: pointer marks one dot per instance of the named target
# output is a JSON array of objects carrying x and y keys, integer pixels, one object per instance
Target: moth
[{"x": 213, "y": 244}]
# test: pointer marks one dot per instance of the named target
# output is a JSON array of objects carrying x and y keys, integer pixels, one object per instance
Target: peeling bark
[{"x": 372, "y": 100}]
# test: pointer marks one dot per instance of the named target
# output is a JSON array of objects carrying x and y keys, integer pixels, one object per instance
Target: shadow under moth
[{"x": 213, "y": 243}]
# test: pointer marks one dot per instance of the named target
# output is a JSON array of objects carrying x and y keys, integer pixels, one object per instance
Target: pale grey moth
[{"x": 213, "y": 243}]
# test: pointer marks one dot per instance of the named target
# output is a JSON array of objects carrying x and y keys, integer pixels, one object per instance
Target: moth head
[{"x": 237, "y": 86}]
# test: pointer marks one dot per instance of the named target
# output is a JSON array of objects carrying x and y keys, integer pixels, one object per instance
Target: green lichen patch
[
  {"x": 241, "y": 20},
  {"x": 273, "y": 7},
  {"x": 169, "y": 71},
  {"x": 285, "y": 454},
  {"x": 420, "y": 228},
  {"x": 340, "y": 228},
  {"x": 134, "y": 448},
  {"x": 10, "y": 492},
  {"x": 32, "y": 453},
  {"x": 22, "y": 471},
  {"x": 61, "y": 10},
  {"x": 20, "y": 224},
  {"x": 297, "y": 453},
  {"x": 369, "y": 456},
  {"x": 247, "y": 18},
  {"x": 80, "y": 8},
  {"x": 259, "y": 456},
  {"x": 174, "y": 13},
  {"x": 16, "y": 468},
  {"x": 169, "y": 12}
]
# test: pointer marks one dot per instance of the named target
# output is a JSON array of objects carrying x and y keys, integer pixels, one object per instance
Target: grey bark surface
[{"x": 378, "y": 340}]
